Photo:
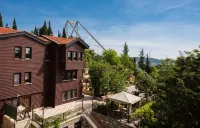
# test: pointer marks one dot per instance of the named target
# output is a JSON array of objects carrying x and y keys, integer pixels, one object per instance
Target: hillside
[{"x": 152, "y": 60}]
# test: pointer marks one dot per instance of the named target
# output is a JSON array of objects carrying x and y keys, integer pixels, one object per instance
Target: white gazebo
[{"x": 124, "y": 98}]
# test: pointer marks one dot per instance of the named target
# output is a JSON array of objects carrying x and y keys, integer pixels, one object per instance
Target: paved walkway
[{"x": 49, "y": 111}]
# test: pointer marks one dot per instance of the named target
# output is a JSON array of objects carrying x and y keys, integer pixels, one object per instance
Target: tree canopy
[
  {"x": 126, "y": 50},
  {"x": 43, "y": 30},
  {"x": 1, "y": 20},
  {"x": 14, "y": 24},
  {"x": 64, "y": 33},
  {"x": 141, "y": 62},
  {"x": 111, "y": 57},
  {"x": 36, "y": 31},
  {"x": 49, "y": 29},
  {"x": 177, "y": 101}
]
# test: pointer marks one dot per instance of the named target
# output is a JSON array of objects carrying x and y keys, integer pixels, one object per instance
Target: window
[
  {"x": 17, "y": 78},
  {"x": 70, "y": 75},
  {"x": 28, "y": 53},
  {"x": 74, "y": 93},
  {"x": 74, "y": 74},
  {"x": 18, "y": 52},
  {"x": 27, "y": 76},
  {"x": 74, "y": 55},
  {"x": 80, "y": 56},
  {"x": 70, "y": 94},
  {"x": 69, "y": 54}
]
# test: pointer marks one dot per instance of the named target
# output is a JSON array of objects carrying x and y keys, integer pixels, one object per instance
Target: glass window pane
[
  {"x": 27, "y": 77},
  {"x": 69, "y": 94},
  {"x": 69, "y": 75},
  {"x": 74, "y": 74},
  {"x": 18, "y": 52},
  {"x": 75, "y": 93},
  {"x": 17, "y": 78},
  {"x": 28, "y": 53}
]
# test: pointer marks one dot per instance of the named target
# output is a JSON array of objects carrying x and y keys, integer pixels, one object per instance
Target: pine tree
[
  {"x": 50, "y": 29},
  {"x": 126, "y": 50},
  {"x": 14, "y": 24},
  {"x": 35, "y": 31},
  {"x": 1, "y": 20},
  {"x": 148, "y": 65},
  {"x": 59, "y": 35},
  {"x": 141, "y": 61},
  {"x": 64, "y": 33},
  {"x": 32, "y": 32},
  {"x": 43, "y": 30}
]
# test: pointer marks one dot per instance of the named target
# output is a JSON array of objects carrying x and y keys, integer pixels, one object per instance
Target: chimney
[{"x": 7, "y": 25}]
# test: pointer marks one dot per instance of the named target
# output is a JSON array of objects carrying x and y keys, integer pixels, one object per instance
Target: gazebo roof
[{"x": 124, "y": 97}]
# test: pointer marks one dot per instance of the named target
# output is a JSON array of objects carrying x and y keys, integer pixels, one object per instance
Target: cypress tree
[
  {"x": 14, "y": 24},
  {"x": 43, "y": 30},
  {"x": 59, "y": 35},
  {"x": 148, "y": 65},
  {"x": 1, "y": 20},
  {"x": 50, "y": 29},
  {"x": 64, "y": 33},
  {"x": 141, "y": 63},
  {"x": 35, "y": 31},
  {"x": 125, "y": 51}
]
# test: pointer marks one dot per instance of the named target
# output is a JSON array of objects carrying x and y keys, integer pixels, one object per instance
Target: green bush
[
  {"x": 146, "y": 114},
  {"x": 100, "y": 108}
]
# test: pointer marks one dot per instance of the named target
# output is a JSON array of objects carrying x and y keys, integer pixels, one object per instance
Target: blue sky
[{"x": 161, "y": 27}]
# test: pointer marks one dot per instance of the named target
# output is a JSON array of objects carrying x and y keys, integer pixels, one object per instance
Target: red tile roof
[
  {"x": 7, "y": 30},
  {"x": 41, "y": 38},
  {"x": 59, "y": 40}
]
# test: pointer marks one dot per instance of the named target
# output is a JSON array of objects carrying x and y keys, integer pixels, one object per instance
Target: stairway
[{"x": 94, "y": 120}]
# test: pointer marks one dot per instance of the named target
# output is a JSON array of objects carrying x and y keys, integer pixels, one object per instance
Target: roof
[
  {"x": 59, "y": 40},
  {"x": 7, "y": 30},
  {"x": 124, "y": 97}
]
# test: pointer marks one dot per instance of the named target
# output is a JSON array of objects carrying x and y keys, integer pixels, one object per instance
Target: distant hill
[{"x": 152, "y": 60}]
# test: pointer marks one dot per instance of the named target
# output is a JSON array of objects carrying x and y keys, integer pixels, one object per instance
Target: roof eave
[
  {"x": 22, "y": 33},
  {"x": 78, "y": 39}
]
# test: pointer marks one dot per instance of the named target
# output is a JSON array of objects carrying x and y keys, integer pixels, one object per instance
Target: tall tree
[
  {"x": 111, "y": 57},
  {"x": 59, "y": 34},
  {"x": 141, "y": 62},
  {"x": 50, "y": 29},
  {"x": 177, "y": 99},
  {"x": 14, "y": 24},
  {"x": 126, "y": 50},
  {"x": 36, "y": 31},
  {"x": 148, "y": 65},
  {"x": 1, "y": 20},
  {"x": 43, "y": 30},
  {"x": 64, "y": 33}
]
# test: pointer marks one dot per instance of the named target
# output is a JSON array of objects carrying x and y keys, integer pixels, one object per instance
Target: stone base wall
[{"x": 109, "y": 122}]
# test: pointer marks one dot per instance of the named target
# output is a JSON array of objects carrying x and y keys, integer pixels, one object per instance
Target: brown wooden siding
[
  {"x": 8, "y": 66},
  {"x": 76, "y": 47},
  {"x": 69, "y": 85}
]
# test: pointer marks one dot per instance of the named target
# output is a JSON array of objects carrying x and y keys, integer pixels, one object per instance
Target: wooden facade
[{"x": 46, "y": 66}]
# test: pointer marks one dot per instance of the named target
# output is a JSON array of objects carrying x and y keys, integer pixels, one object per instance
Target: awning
[{"x": 124, "y": 97}]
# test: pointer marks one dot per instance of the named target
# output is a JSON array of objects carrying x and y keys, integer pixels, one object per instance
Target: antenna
[{"x": 74, "y": 26}]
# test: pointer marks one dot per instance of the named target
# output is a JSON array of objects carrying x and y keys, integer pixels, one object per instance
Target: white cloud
[{"x": 161, "y": 39}]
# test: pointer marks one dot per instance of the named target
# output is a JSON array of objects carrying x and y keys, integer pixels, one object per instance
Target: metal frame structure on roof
[{"x": 74, "y": 26}]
